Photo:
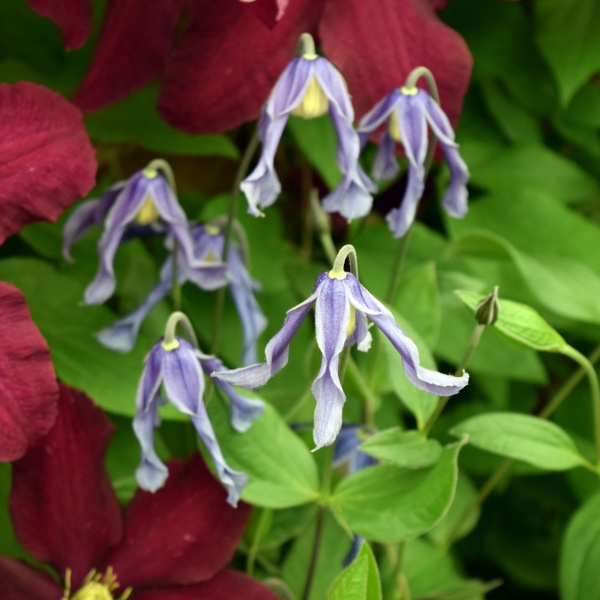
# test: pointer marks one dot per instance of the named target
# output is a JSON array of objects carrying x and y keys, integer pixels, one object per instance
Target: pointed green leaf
[
  {"x": 580, "y": 554},
  {"x": 281, "y": 469},
  {"x": 391, "y": 504},
  {"x": 360, "y": 580},
  {"x": 409, "y": 449},
  {"x": 520, "y": 323},
  {"x": 533, "y": 440}
]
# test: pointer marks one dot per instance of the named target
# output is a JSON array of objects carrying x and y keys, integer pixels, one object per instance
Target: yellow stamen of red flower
[{"x": 96, "y": 586}]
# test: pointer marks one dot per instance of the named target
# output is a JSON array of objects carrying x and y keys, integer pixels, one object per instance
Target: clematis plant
[
  {"x": 146, "y": 199},
  {"x": 178, "y": 365},
  {"x": 208, "y": 240},
  {"x": 406, "y": 112},
  {"x": 309, "y": 87},
  {"x": 342, "y": 306},
  {"x": 157, "y": 550}
]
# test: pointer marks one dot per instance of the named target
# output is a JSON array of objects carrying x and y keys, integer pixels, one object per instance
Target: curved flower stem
[
  {"x": 346, "y": 252},
  {"x": 459, "y": 371},
  {"x": 178, "y": 318},
  {"x": 505, "y": 465},
  {"x": 233, "y": 206},
  {"x": 159, "y": 164}
]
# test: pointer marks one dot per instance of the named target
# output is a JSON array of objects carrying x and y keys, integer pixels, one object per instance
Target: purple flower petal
[
  {"x": 276, "y": 352},
  {"x": 386, "y": 164},
  {"x": 332, "y": 319},
  {"x": 152, "y": 472},
  {"x": 420, "y": 377},
  {"x": 378, "y": 115}
]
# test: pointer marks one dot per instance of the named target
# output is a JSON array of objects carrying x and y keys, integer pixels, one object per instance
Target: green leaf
[
  {"x": 390, "y": 504},
  {"x": 418, "y": 301},
  {"x": 9, "y": 544},
  {"x": 520, "y": 323},
  {"x": 580, "y": 554},
  {"x": 360, "y": 580},
  {"x": 317, "y": 141},
  {"x": 420, "y": 403},
  {"x": 409, "y": 449},
  {"x": 281, "y": 469},
  {"x": 136, "y": 119},
  {"x": 567, "y": 33},
  {"x": 533, "y": 440},
  {"x": 568, "y": 288}
]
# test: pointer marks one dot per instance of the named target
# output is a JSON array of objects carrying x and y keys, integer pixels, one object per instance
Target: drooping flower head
[
  {"x": 209, "y": 273},
  {"x": 406, "y": 112},
  {"x": 342, "y": 306},
  {"x": 177, "y": 365},
  {"x": 309, "y": 87},
  {"x": 146, "y": 199}
]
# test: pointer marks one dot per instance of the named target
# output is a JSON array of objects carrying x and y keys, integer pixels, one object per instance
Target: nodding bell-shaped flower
[
  {"x": 407, "y": 112},
  {"x": 177, "y": 365},
  {"x": 342, "y": 306},
  {"x": 146, "y": 200},
  {"x": 208, "y": 274},
  {"x": 309, "y": 87}
]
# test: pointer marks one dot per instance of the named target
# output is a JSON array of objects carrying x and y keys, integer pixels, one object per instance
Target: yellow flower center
[
  {"x": 148, "y": 213},
  {"x": 96, "y": 586},
  {"x": 315, "y": 102},
  {"x": 394, "y": 129},
  {"x": 212, "y": 229},
  {"x": 340, "y": 276}
]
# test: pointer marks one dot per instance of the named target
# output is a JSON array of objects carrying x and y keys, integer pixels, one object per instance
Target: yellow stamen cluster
[
  {"x": 147, "y": 213},
  {"x": 394, "y": 129},
  {"x": 340, "y": 276},
  {"x": 96, "y": 586},
  {"x": 315, "y": 103},
  {"x": 212, "y": 229}
]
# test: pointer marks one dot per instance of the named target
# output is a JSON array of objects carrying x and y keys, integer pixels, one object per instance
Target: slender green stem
[
  {"x": 255, "y": 547},
  {"x": 459, "y": 371},
  {"x": 178, "y": 318},
  {"x": 176, "y": 285},
  {"x": 233, "y": 207},
  {"x": 369, "y": 399},
  {"x": 590, "y": 371},
  {"x": 390, "y": 294},
  {"x": 554, "y": 403}
]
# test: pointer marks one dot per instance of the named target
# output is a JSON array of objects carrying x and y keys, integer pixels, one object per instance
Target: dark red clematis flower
[
  {"x": 28, "y": 387},
  {"x": 174, "y": 544},
  {"x": 46, "y": 159},
  {"x": 222, "y": 68}
]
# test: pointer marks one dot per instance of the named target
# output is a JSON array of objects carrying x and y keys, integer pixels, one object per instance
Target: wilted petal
[
  {"x": 27, "y": 379},
  {"x": 132, "y": 50},
  {"x": 46, "y": 158},
  {"x": 183, "y": 534},
  {"x": 19, "y": 581},
  {"x": 332, "y": 318},
  {"x": 227, "y": 62},
  {"x": 225, "y": 585},
  {"x": 72, "y": 17},
  {"x": 455, "y": 198},
  {"x": 422, "y": 378},
  {"x": 389, "y": 49},
  {"x": 276, "y": 352},
  {"x": 243, "y": 410},
  {"x": 413, "y": 132},
  {"x": 79, "y": 517}
]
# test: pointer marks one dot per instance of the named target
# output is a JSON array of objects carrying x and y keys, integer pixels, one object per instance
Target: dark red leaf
[
  {"x": 72, "y": 17},
  {"x": 223, "y": 69},
  {"x": 63, "y": 507},
  {"x": 134, "y": 45},
  {"x": 184, "y": 533},
  {"x": 375, "y": 48},
  {"x": 28, "y": 385},
  {"x": 19, "y": 581},
  {"x": 225, "y": 586},
  {"x": 46, "y": 159}
]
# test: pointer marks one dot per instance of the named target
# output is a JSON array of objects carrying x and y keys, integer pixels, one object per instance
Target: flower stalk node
[
  {"x": 306, "y": 47},
  {"x": 338, "y": 271},
  {"x": 170, "y": 341}
]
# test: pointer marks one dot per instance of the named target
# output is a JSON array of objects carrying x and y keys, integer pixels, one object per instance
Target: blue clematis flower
[
  {"x": 209, "y": 273},
  {"x": 309, "y": 87},
  {"x": 407, "y": 111},
  {"x": 178, "y": 366},
  {"x": 342, "y": 308},
  {"x": 145, "y": 200}
]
